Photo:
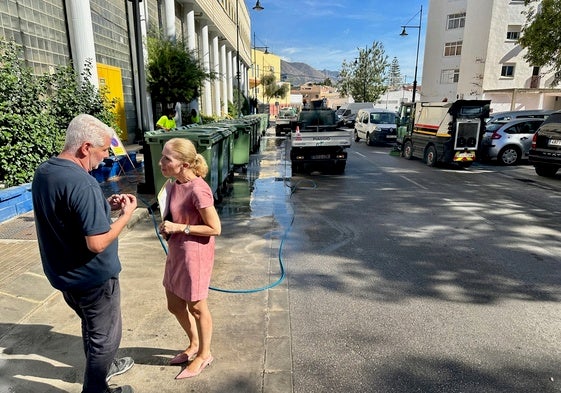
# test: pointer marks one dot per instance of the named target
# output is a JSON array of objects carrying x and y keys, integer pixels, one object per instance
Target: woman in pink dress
[{"x": 190, "y": 225}]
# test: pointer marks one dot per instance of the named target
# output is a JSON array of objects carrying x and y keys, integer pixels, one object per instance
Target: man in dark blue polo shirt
[{"x": 78, "y": 245}]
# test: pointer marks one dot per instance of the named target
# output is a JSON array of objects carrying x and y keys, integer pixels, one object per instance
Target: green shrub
[{"x": 35, "y": 111}]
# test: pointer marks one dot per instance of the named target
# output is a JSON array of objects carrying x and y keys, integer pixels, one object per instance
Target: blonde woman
[{"x": 190, "y": 225}]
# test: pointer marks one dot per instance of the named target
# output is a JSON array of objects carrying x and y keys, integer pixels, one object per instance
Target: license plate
[
  {"x": 464, "y": 156},
  {"x": 555, "y": 142},
  {"x": 391, "y": 136},
  {"x": 321, "y": 157}
]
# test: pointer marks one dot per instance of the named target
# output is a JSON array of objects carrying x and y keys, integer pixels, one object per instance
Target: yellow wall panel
[{"x": 110, "y": 77}]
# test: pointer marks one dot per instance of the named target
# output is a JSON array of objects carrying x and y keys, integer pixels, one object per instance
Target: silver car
[{"x": 508, "y": 142}]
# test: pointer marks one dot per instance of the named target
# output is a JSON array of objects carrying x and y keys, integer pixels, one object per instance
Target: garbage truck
[
  {"x": 442, "y": 132},
  {"x": 318, "y": 138}
]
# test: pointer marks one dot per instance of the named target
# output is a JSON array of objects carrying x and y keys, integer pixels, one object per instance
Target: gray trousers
[{"x": 99, "y": 309}]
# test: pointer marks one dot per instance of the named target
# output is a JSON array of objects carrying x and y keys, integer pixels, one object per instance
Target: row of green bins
[
  {"x": 225, "y": 166},
  {"x": 208, "y": 143},
  {"x": 255, "y": 136},
  {"x": 241, "y": 139}
]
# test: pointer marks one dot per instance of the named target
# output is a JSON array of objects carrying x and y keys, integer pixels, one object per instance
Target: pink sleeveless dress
[{"x": 190, "y": 258}]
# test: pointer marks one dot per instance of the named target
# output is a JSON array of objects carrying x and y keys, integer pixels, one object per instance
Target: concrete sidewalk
[{"x": 40, "y": 344}]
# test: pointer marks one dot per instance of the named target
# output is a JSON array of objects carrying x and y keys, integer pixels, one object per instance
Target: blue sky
[{"x": 323, "y": 33}]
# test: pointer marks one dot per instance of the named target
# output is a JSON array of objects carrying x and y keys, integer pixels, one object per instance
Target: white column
[
  {"x": 81, "y": 35},
  {"x": 230, "y": 75},
  {"x": 216, "y": 69},
  {"x": 207, "y": 91},
  {"x": 224, "y": 80},
  {"x": 191, "y": 36},
  {"x": 169, "y": 9}
]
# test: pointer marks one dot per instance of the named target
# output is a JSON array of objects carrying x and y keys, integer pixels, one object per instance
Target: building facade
[
  {"x": 471, "y": 52},
  {"x": 111, "y": 35},
  {"x": 266, "y": 63}
]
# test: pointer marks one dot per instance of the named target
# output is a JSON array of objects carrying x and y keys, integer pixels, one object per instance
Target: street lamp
[
  {"x": 255, "y": 63},
  {"x": 404, "y": 33},
  {"x": 257, "y": 7}
]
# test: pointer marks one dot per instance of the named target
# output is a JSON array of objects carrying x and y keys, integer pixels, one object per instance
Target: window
[
  {"x": 453, "y": 48},
  {"x": 449, "y": 76},
  {"x": 456, "y": 21},
  {"x": 507, "y": 71},
  {"x": 513, "y": 33}
]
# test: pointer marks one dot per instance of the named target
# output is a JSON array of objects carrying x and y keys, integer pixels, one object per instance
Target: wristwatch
[{"x": 187, "y": 229}]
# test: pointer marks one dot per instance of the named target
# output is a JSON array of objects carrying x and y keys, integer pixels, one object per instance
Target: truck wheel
[
  {"x": 545, "y": 170},
  {"x": 368, "y": 140},
  {"x": 356, "y": 137},
  {"x": 295, "y": 167},
  {"x": 430, "y": 156},
  {"x": 340, "y": 168},
  {"x": 408, "y": 150}
]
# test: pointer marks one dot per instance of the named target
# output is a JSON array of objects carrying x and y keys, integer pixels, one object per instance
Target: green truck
[{"x": 319, "y": 139}]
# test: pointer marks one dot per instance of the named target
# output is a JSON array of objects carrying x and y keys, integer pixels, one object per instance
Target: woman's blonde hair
[{"x": 185, "y": 151}]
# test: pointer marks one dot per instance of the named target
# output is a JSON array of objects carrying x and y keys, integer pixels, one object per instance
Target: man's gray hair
[{"x": 86, "y": 128}]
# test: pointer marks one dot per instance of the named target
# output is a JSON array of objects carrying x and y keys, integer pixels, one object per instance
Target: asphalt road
[{"x": 405, "y": 278}]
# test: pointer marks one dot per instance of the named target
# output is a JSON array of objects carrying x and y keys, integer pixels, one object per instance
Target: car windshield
[{"x": 382, "y": 118}]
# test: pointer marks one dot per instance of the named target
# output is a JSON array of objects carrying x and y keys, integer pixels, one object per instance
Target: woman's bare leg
[{"x": 178, "y": 307}]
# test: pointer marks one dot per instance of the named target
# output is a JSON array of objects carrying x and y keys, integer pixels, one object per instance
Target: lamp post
[
  {"x": 404, "y": 33},
  {"x": 256, "y": 7},
  {"x": 255, "y": 64}
]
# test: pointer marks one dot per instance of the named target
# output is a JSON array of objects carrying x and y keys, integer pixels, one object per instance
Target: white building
[
  {"x": 471, "y": 52},
  {"x": 392, "y": 99}
]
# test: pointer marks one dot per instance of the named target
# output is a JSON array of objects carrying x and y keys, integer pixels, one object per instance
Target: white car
[{"x": 376, "y": 126}]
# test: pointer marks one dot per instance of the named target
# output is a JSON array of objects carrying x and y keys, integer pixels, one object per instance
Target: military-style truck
[
  {"x": 442, "y": 132},
  {"x": 284, "y": 118},
  {"x": 318, "y": 137}
]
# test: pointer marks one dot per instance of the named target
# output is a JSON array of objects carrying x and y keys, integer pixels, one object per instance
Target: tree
[
  {"x": 541, "y": 36},
  {"x": 173, "y": 73},
  {"x": 35, "y": 111},
  {"x": 365, "y": 78},
  {"x": 272, "y": 89},
  {"x": 71, "y": 94},
  {"x": 394, "y": 79}
]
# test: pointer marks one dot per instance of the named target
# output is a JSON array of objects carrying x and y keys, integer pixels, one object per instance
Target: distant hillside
[{"x": 299, "y": 73}]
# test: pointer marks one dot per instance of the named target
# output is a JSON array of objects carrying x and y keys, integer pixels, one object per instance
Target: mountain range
[{"x": 300, "y": 73}]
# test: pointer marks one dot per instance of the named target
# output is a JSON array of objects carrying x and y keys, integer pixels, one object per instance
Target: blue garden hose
[{"x": 272, "y": 285}]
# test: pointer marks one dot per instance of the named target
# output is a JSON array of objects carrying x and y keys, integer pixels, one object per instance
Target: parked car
[
  {"x": 349, "y": 121},
  {"x": 376, "y": 126},
  {"x": 508, "y": 142},
  {"x": 511, "y": 115},
  {"x": 545, "y": 151}
]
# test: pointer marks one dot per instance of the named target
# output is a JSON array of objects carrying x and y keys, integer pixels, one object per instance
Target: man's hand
[{"x": 128, "y": 204}]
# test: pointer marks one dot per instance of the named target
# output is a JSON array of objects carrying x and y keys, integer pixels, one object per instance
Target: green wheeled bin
[
  {"x": 241, "y": 142},
  {"x": 225, "y": 153},
  {"x": 207, "y": 143}
]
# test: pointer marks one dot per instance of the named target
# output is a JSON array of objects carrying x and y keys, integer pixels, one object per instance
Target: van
[
  {"x": 348, "y": 112},
  {"x": 376, "y": 126},
  {"x": 510, "y": 115}
]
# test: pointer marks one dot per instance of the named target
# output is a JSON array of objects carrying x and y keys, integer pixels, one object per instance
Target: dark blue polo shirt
[{"x": 69, "y": 204}]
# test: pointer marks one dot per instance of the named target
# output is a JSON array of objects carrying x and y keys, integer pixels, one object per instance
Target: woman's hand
[{"x": 168, "y": 227}]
